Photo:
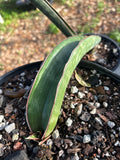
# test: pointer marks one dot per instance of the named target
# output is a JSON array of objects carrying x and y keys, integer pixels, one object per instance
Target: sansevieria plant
[{"x": 47, "y": 93}]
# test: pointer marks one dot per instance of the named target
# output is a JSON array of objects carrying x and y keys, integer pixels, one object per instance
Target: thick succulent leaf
[
  {"x": 46, "y": 96},
  {"x": 51, "y": 13}
]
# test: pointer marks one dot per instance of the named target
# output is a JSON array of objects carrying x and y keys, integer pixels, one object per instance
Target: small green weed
[
  {"x": 115, "y": 35},
  {"x": 19, "y": 53},
  {"x": 101, "y": 6},
  {"x": 68, "y": 2},
  {"x": 84, "y": 29},
  {"x": 1, "y": 66},
  {"x": 53, "y": 29}
]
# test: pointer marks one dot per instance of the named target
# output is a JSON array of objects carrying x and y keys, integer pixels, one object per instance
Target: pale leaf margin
[{"x": 82, "y": 48}]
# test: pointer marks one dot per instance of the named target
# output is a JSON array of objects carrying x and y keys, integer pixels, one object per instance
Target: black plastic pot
[
  {"x": 115, "y": 69},
  {"x": 19, "y": 70},
  {"x": 84, "y": 64}
]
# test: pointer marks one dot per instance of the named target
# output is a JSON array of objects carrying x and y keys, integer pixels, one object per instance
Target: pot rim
[{"x": 18, "y": 70}]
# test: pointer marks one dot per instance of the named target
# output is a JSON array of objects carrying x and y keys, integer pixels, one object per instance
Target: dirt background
[{"x": 29, "y": 41}]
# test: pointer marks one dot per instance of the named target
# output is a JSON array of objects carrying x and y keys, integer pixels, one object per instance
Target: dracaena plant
[{"x": 47, "y": 93}]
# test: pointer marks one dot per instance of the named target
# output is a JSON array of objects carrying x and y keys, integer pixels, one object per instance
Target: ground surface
[{"x": 29, "y": 40}]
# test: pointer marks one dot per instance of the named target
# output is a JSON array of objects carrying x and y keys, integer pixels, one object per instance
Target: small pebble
[
  {"x": 74, "y": 89},
  {"x": 115, "y": 94},
  {"x": 9, "y": 84},
  {"x": 98, "y": 120},
  {"x": 113, "y": 131},
  {"x": 83, "y": 122},
  {"x": 91, "y": 103},
  {"x": 86, "y": 92},
  {"x": 117, "y": 143},
  {"x": 72, "y": 106},
  {"x": 112, "y": 136},
  {"x": 27, "y": 87},
  {"x": 81, "y": 95},
  {"x": 15, "y": 137},
  {"x": 98, "y": 75},
  {"x": 105, "y": 46},
  {"x": 2, "y": 126},
  {"x": 118, "y": 129},
  {"x": 114, "y": 50},
  {"x": 69, "y": 122},
  {"x": 107, "y": 154},
  {"x": 21, "y": 85},
  {"x": 1, "y": 100},
  {"x": 95, "y": 97},
  {"x": 1, "y": 149},
  {"x": 100, "y": 82},
  {"x": 93, "y": 71},
  {"x": 106, "y": 88},
  {"x": 79, "y": 109},
  {"x": 61, "y": 152},
  {"x": 113, "y": 152},
  {"x": 93, "y": 111},
  {"x": 105, "y": 104},
  {"x": 86, "y": 138},
  {"x": 98, "y": 46},
  {"x": 0, "y": 136},
  {"x": 9, "y": 128},
  {"x": 55, "y": 134},
  {"x": 85, "y": 116},
  {"x": 1, "y": 91},
  {"x": 1, "y": 118},
  {"x": 97, "y": 104},
  {"x": 89, "y": 125},
  {"x": 22, "y": 74},
  {"x": 111, "y": 124},
  {"x": 75, "y": 157},
  {"x": 8, "y": 108},
  {"x": 49, "y": 142},
  {"x": 101, "y": 61}
]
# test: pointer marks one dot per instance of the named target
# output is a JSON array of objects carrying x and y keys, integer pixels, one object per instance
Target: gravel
[
  {"x": 9, "y": 128},
  {"x": 1, "y": 149},
  {"x": 69, "y": 122},
  {"x": 85, "y": 116},
  {"x": 81, "y": 95},
  {"x": 74, "y": 89},
  {"x": 55, "y": 134},
  {"x": 1, "y": 118},
  {"x": 86, "y": 138},
  {"x": 85, "y": 129},
  {"x": 111, "y": 124}
]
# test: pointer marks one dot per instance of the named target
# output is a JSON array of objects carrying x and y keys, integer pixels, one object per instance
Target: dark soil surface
[
  {"x": 106, "y": 54},
  {"x": 88, "y": 126},
  {"x": 27, "y": 40}
]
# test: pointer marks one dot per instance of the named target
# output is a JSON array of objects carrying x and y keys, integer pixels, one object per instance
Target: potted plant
[{"x": 71, "y": 137}]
